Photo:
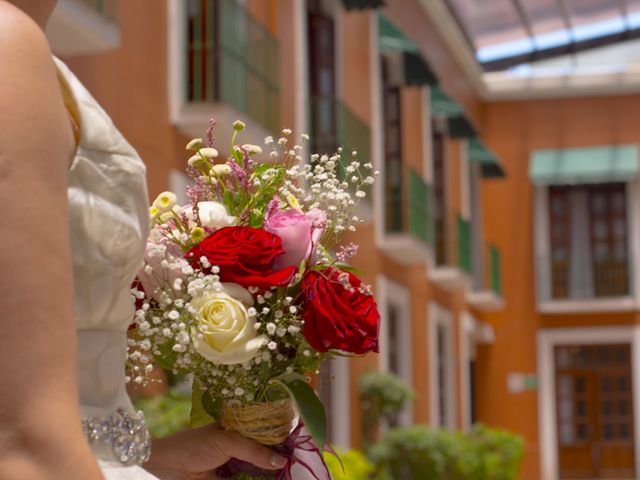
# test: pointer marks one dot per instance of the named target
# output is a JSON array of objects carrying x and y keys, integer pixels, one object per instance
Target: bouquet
[{"x": 247, "y": 289}]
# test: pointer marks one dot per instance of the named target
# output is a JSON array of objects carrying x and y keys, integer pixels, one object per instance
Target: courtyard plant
[{"x": 422, "y": 453}]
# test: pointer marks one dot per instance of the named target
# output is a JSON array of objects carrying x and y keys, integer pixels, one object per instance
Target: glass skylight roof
[{"x": 504, "y": 33}]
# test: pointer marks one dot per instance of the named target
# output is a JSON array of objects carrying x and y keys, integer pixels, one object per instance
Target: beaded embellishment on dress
[{"x": 127, "y": 435}]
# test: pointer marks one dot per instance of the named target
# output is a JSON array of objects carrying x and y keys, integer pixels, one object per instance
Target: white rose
[
  {"x": 225, "y": 333},
  {"x": 212, "y": 215}
]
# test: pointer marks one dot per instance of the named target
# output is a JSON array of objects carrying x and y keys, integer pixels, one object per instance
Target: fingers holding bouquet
[
  {"x": 196, "y": 454},
  {"x": 247, "y": 289}
]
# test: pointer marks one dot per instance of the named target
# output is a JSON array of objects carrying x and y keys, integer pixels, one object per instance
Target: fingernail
[{"x": 277, "y": 461}]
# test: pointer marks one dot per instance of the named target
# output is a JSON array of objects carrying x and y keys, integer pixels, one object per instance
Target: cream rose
[
  {"x": 225, "y": 333},
  {"x": 212, "y": 215}
]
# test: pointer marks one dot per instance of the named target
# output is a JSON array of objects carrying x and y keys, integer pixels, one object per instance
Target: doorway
[{"x": 594, "y": 411}]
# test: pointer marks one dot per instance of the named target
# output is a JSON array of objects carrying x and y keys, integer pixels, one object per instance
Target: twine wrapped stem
[{"x": 268, "y": 423}]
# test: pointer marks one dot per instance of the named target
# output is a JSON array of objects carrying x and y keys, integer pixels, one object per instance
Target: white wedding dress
[{"x": 108, "y": 208}]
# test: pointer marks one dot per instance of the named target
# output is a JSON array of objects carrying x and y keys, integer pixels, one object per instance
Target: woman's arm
[{"x": 40, "y": 432}]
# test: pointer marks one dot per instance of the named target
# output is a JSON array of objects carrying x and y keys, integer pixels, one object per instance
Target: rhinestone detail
[{"x": 127, "y": 435}]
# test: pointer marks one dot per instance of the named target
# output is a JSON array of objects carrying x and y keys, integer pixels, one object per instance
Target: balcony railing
[
  {"x": 463, "y": 232},
  {"x": 608, "y": 278},
  {"x": 231, "y": 58},
  {"x": 409, "y": 205},
  {"x": 334, "y": 125},
  {"x": 107, "y": 8},
  {"x": 495, "y": 270}
]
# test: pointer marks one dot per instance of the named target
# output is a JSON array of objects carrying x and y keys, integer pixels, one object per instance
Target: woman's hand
[{"x": 194, "y": 454}]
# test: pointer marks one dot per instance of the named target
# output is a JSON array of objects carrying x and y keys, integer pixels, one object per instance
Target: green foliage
[
  {"x": 355, "y": 463},
  {"x": 420, "y": 453},
  {"x": 166, "y": 414},
  {"x": 382, "y": 397},
  {"x": 310, "y": 408}
]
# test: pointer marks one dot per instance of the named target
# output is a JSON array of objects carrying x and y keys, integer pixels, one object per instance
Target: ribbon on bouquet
[
  {"x": 306, "y": 453},
  {"x": 299, "y": 449}
]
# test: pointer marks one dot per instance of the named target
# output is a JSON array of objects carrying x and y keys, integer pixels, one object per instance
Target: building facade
[{"x": 507, "y": 284}]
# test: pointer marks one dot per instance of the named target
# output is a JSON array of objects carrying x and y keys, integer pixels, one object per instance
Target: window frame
[
  {"x": 545, "y": 303},
  {"x": 440, "y": 317},
  {"x": 390, "y": 293}
]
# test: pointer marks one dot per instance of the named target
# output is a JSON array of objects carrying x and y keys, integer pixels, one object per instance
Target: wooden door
[{"x": 594, "y": 410}]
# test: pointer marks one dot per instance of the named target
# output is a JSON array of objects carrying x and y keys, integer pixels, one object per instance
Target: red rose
[
  {"x": 338, "y": 313},
  {"x": 245, "y": 256}
]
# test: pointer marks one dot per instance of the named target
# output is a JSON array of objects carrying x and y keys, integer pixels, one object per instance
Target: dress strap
[{"x": 70, "y": 104}]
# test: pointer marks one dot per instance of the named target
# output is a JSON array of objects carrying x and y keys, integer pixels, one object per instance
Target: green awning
[
  {"x": 584, "y": 165},
  {"x": 461, "y": 127},
  {"x": 489, "y": 163},
  {"x": 390, "y": 38},
  {"x": 417, "y": 71},
  {"x": 442, "y": 105},
  {"x": 362, "y": 4}
]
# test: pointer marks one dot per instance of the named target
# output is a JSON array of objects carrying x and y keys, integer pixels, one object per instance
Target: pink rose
[{"x": 300, "y": 233}]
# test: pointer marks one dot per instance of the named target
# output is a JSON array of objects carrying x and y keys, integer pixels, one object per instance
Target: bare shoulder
[
  {"x": 22, "y": 41},
  {"x": 29, "y": 88}
]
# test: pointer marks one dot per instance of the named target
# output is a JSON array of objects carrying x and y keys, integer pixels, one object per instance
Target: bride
[{"x": 72, "y": 233}]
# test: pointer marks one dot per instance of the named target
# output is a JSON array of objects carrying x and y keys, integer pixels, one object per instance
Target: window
[
  {"x": 439, "y": 197},
  {"x": 441, "y": 367},
  {"x": 395, "y": 338},
  {"x": 322, "y": 77},
  {"x": 588, "y": 232},
  {"x": 228, "y": 56},
  {"x": 334, "y": 389},
  {"x": 392, "y": 125}
]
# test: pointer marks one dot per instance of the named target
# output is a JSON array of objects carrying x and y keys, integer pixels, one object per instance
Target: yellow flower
[
  {"x": 194, "y": 144},
  {"x": 208, "y": 152},
  {"x": 221, "y": 169},
  {"x": 293, "y": 202},
  {"x": 166, "y": 216},
  {"x": 250, "y": 148},
  {"x": 197, "y": 234},
  {"x": 153, "y": 212},
  {"x": 165, "y": 201},
  {"x": 239, "y": 125}
]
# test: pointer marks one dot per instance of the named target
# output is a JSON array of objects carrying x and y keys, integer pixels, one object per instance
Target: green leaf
[
  {"x": 345, "y": 267},
  {"x": 237, "y": 156},
  {"x": 199, "y": 415},
  {"x": 167, "y": 357},
  {"x": 256, "y": 219},
  {"x": 310, "y": 408}
]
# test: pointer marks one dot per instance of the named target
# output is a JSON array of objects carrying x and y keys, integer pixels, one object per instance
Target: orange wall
[{"x": 513, "y": 130}]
